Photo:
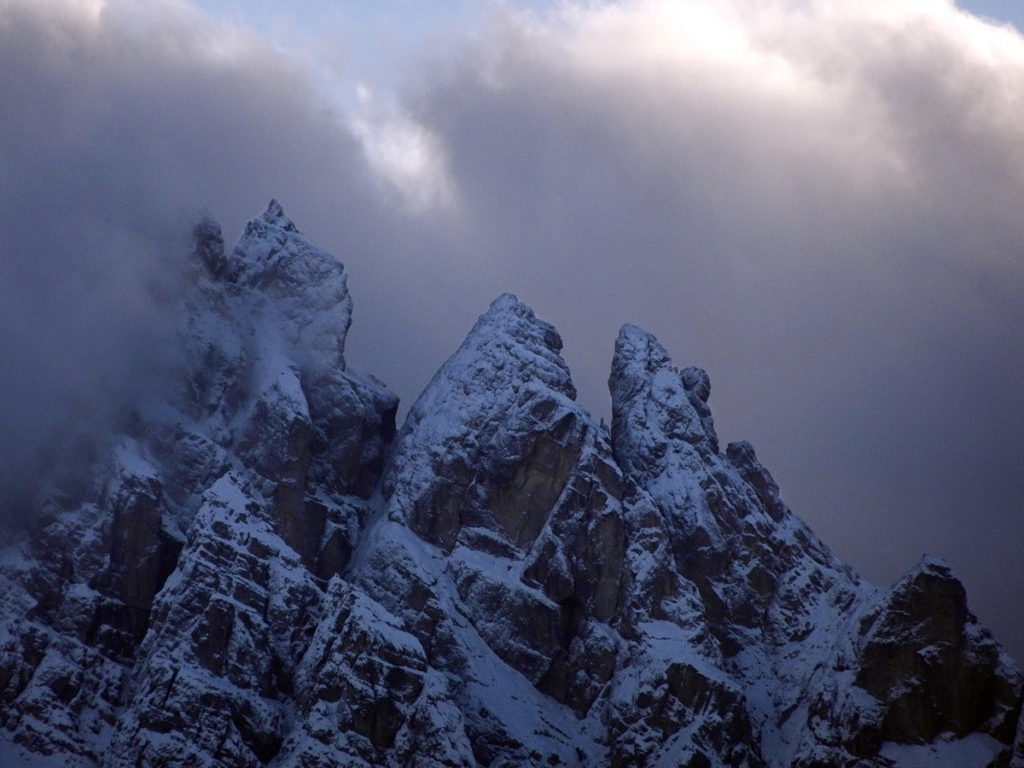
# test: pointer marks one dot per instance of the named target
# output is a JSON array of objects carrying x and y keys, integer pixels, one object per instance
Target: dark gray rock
[{"x": 930, "y": 663}]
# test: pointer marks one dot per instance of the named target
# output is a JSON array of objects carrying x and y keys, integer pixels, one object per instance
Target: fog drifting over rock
[{"x": 818, "y": 202}]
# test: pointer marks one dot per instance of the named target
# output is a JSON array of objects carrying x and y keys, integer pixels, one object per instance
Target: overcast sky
[{"x": 819, "y": 201}]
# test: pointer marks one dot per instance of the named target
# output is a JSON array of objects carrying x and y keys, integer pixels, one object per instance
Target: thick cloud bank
[{"x": 820, "y": 202}]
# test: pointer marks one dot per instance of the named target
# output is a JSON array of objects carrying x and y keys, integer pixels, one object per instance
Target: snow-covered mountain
[{"x": 265, "y": 572}]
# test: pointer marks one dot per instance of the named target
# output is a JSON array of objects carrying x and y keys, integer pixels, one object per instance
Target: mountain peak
[
  {"x": 509, "y": 332},
  {"x": 483, "y": 410},
  {"x": 507, "y": 315},
  {"x": 639, "y": 354},
  {"x": 651, "y": 396},
  {"x": 302, "y": 287},
  {"x": 272, "y": 241},
  {"x": 275, "y": 216},
  {"x": 637, "y": 346},
  {"x": 933, "y": 564},
  {"x": 508, "y": 301}
]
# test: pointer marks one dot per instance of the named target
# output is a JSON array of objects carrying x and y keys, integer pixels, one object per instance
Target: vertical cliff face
[{"x": 264, "y": 572}]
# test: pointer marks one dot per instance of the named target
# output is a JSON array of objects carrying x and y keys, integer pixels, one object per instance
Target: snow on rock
[
  {"x": 786, "y": 614},
  {"x": 931, "y": 664},
  {"x": 359, "y": 679},
  {"x": 653, "y": 399},
  {"x": 262, "y": 572},
  {"x": 265, "y": 395},
  {"x": 213, "y": 673},
  {"x": 497, "y": 424},
  {"x": 305, "y": 288},
  {"x": 502, "y": 509},
  {"x": 267, "y": 337},
  {"x": 977, "y": 750}
]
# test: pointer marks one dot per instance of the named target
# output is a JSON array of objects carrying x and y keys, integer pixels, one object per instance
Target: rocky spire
[
  {"x": 654, "y": 405},
  {"x": 503, "y": 401},
  {"x": 274, "y": 216},
  {"x": 300, "y": 287},
  {"x": 922, "y": 626}
]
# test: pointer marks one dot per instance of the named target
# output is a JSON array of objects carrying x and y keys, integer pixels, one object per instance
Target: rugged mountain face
[{"x": 264, "y": 572}]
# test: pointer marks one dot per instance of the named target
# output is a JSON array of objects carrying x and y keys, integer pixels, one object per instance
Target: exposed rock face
[
  {"x": 211, "y": 677},
  {"x": 265, "y": 573},
  {"x": 497, "y": 428},
  {"x": 930, "y": 663}
]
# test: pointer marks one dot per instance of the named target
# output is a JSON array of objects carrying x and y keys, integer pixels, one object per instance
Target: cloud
[{"x": 816, "y": 200}]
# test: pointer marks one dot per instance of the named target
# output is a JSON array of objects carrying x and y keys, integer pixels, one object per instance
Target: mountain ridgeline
[{"x": 265, "y": 571}]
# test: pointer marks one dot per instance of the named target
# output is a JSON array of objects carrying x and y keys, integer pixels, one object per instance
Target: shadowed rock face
[
  {"x": 266, "y": 572},
  {"x": 141, "y": 557},
  {"x": 925, "y": 657}
]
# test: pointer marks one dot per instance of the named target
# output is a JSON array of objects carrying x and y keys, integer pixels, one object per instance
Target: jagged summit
[
  {"x": 266, "y": 573},
  {"x": 504, "y": 389},
  {"x": 306, "y": 287},
  {"x": 275, "y": 216},
  {"x": 509, "y": 330},
  {"x": 509, "y": 358},
  {"x": 653, "y": 399},
  {"x": 935, "y": 565}
]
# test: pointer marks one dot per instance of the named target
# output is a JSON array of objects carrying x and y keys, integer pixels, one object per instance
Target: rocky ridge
[{"x": 265, "y": 572}]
